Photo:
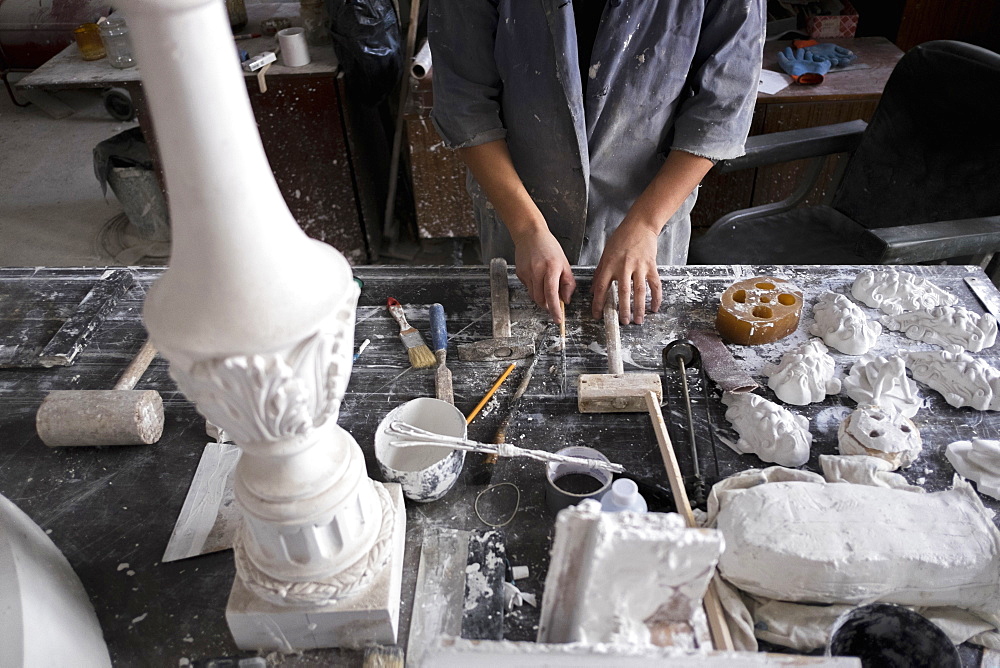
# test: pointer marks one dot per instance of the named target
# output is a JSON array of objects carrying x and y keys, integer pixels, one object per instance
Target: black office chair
[{"x": 922, "y": 183}]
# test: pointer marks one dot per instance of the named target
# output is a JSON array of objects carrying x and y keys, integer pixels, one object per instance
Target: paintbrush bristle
[{"x": 421, "y": 357}]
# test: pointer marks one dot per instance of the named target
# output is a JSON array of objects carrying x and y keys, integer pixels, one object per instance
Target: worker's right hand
[{"x": 542, "y": 267}]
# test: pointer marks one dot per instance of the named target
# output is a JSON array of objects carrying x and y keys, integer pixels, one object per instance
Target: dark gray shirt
[{"x": 664, "y": 74}]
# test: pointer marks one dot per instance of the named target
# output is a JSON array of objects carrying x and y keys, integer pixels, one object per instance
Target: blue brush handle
[{"x": 439, "y": 333}]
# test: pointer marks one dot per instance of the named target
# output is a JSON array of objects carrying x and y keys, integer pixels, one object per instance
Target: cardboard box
[{"x": 829, "y": 27}]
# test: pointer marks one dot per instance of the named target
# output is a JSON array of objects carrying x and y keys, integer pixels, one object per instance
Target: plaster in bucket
[{"x": 425, "y": 472}]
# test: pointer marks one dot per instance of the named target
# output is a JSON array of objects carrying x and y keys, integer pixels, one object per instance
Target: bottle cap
[{"x": 623, "y": 491}]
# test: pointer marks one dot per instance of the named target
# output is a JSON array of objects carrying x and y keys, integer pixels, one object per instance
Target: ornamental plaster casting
[
  {"x": 767, "y": 430},
  {"x": 874, "y": 431},
  {"x": 804, "y": 375},
  {"x": 979, "y": 461},
  {"x": 843, "y": 325},
  {"x": 883, "y": 381},
  {"x": 257, "y": 322},
  {"x": 946, "y": 326},
  {"x": 895, "y": 291},
  {"x": 960, "y": 378}
]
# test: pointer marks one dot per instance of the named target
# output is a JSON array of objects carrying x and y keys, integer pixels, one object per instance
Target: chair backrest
[{"x": 932, "y": 149}]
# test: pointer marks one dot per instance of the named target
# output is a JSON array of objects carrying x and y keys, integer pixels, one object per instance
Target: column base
[{"x": 371, "y": 616}]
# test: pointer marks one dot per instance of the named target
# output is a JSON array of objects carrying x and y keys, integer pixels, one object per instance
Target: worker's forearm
[
  {"x": 680, "y": 174},
  {"x": 493, "y": 168}
]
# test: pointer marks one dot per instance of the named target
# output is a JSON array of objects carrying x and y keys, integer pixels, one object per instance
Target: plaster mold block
[
  {"x": 979, "y": 461},
  {"x": 623, "y": 578},
  {"x": 838, "y": 543},
  {"x": 843, "y": 325},
  {"x": 946, "y": 326},
  {"x": 804, "y": 375},
  {"x": 883, "y": 381},
  {"x": 257, "y": 322},
  {"x": 767, "y": 430},
  {"x": 877, "y": 432},
  {"x": 862, "y": 470},
  {"x": 894, "y": 292},
  {"x": 46, "y": 618},
  {"x": 962, "y": 379}
]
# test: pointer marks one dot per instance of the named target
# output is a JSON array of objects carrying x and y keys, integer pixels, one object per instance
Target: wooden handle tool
[{"x": 439, "y": 344}]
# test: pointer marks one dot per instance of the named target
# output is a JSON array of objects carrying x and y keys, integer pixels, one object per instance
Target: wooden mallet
[
  {"x": 615, "y": 391},
  {"x": 120, "y": 416}
]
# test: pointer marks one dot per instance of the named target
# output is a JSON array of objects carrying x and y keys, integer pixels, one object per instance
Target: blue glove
[
  {"x": 837, "y": 55},
  {"x": 803, "y": 67}
]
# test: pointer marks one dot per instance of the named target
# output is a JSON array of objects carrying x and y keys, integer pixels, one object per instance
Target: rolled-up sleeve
[
  {"x": 714, "y": 122},
  {"x": 466, "y": 81}
]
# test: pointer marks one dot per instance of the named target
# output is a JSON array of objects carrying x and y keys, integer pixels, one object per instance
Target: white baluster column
[{"x": 257, "y": 321}]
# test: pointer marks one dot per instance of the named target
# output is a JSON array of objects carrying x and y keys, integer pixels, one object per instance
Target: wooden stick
[
  {"x": 713, "y": 607},
  {"x": 489, "y": 394}
]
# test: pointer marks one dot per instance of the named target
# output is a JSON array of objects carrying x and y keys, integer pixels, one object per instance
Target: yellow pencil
[{"x": 489, "y": 394}]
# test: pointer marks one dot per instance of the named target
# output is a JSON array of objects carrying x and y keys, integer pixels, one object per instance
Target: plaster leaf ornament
[
  {"x": 863, "y": 470},
  {"x": 946, "y": 326},
  {"x": 767, "y": 430},
  {"x": 979, "y": 461},
  {"x": 843, "y": 325},
  {"x": 960, "y": 378},
  {"x": 819, "y": 542},
  {"x": 874, "y": 431},
  {"x": 894, "y": 292},
  {"x": 883, "y": 381},
  {"x": 804, "y": 375}
]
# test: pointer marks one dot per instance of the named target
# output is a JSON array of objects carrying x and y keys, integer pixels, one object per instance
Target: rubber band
[{"x": 517, "y": 504}]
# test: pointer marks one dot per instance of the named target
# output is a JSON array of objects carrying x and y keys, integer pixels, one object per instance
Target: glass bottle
[
  {"x": 88, "y": 38},
  {"x": 114, "y": 33}
]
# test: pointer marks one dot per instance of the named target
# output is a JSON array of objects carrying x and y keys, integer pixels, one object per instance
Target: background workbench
[{"x": 112, "y": 510}]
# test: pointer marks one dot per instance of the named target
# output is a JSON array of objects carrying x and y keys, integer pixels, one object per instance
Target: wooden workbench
[{"x": 112, "y": 510}]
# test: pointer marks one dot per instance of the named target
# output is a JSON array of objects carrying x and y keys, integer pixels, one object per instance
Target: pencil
[{"x": 489, "y": 394}]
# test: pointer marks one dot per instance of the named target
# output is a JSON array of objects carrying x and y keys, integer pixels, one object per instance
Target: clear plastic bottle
[
  {"x": 114, "y": 34},
  {"x": 623, "y": 495}
]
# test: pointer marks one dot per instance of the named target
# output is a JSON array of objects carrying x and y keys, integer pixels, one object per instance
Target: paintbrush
[
  {"x": 439, "y": 342},
  {"x": 421, "y": 356},
  {"x": 484, "y": 473}
]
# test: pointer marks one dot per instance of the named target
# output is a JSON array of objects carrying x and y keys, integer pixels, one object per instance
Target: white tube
[{"x": 420, "y": 64}]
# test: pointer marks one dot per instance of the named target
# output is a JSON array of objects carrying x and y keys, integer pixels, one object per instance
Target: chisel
[{"x": 439, "y": 344}]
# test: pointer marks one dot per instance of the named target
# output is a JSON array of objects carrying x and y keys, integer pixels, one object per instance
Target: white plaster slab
[
  {"x": 878, "y": 432},
  {"x": 804, "y": 375},
  {"x": 836, "y": 543},
  {"x": 979, "y": 461},
  {"x": 895, "y": 292},
  {"x": 946, "y": 326},
  {"x": 621, "y": 577},
  {"x": 46, "y": 618},
  {"x": 960, "y": 378},
  {"x": 371, "y": 616},
  {"x": 767, "y": 430},
  {"x": 843, "y": 325},
  {"x": 883, "y": 381}
]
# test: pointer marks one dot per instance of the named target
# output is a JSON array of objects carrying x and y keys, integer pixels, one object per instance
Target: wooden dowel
[{"x": 721, "y": 637}]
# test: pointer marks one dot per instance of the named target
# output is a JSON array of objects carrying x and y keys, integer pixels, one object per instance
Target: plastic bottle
[
  {"x": 114, "y": 34},
  {"x": 623, "y": 495}
]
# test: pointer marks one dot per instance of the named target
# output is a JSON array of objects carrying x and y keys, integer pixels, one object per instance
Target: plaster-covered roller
[{"x": 119, "y": 416}]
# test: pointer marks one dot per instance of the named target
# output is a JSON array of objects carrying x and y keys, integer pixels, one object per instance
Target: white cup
[{"x": 294, "y": 50}]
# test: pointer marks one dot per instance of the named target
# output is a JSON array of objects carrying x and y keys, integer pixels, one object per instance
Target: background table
[{"x": 111, "y": 510}]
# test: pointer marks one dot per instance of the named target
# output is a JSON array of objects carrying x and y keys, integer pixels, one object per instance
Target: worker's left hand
[{"x": 630, "y": 258}]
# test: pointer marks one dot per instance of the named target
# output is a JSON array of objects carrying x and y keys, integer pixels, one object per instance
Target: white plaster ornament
[
  {"x": 883, "y": 381},
  {"x": 979, "y": 461},
  {"x": 804, "y": 375},
  {"x": 843, "y": 325},
  {"x": 894, "y": 292},
  {"x": 878, "y": 432},
  {"x": 767, "y": 430},
  {"x": 257, "y": 322},
  {"x": 960, "y": 378},
  {"x": 946, "y": 326}
]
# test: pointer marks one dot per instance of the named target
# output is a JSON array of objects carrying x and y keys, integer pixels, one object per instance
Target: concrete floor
[{"x": 52, "y": 210}]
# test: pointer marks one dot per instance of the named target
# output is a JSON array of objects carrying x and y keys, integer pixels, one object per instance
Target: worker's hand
[
  {"x": 542, "y": 267},
  {"x": 630, "y": 258},
  {"x": 804, "y": 67},
  {"x": 838, "y": 56}
]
